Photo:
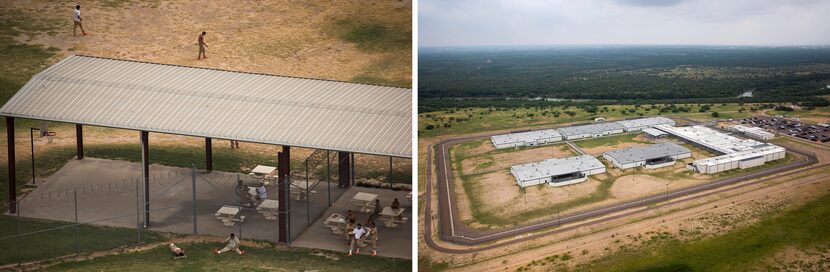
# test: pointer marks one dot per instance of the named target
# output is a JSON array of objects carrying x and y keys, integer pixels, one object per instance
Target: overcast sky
[{"x": 550, "y": 22}]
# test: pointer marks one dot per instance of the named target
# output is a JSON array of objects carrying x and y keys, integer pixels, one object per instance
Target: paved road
[{"x": 452, "y": 230}]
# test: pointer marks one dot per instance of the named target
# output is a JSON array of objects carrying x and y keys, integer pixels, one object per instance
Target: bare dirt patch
[{"x": 487, "y": 163}]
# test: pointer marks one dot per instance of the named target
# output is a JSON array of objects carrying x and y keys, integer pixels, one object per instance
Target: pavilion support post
[
  {"x": 209, "y": 154},
  {"x": 352, "y": 172},
  {"x": 344, "y": 168},
  {"x": 79, "y": 139},
  {"x": 12, "y": 174},
  {"x": 145, "y": 174},
  {"x": 283, "y": 170}
]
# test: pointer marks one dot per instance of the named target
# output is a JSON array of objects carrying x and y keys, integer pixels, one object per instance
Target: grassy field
[
  {"x": 61, "y": 241},
  {"x": 806, "y": 228},
  {"x": 200, "y": 258}
]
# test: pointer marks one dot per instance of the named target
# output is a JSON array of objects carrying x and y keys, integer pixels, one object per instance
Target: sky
[{"x": 624, "y": 22}]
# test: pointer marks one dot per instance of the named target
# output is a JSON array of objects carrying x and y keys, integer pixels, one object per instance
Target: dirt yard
[
  {"x": 496, "y": 160},
  {"x": 284, "y": 37}
]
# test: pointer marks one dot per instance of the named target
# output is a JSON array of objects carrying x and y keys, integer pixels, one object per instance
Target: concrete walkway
[
  {"x": 107, "y": 195},
  {"x": 393, "y": 242}
]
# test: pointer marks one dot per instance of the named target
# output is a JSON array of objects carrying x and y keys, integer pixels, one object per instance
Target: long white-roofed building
[
  {"x": 737, "y": 153},
  {"x": 557, "y": 171},
  {"x": 591, "y": 130},
  {"x": 644, "y": 123},
  {"x": 648, "y": 156},
  {"x": 530, "y": 138}
]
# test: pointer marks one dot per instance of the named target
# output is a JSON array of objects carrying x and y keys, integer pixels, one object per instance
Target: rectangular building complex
[
  {"x": 529, "y": 138},
  {"x": 557, "y": 171},
  {"x": 649, "y": 156},
  {"x": 591, "y": 130},
  {"x": 711, "y": 139},
  {"x": 644, "y": 123},
  {"x": 739, "y": 160}
]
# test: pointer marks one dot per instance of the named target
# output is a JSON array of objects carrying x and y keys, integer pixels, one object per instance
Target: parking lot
[{"x": 786, "y": 126}]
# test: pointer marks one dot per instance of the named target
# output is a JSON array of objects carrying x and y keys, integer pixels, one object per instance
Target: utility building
[
  {"x": 649, "y": 156},
  {"x": 557, "y": 172},
  {"x": 753, "y": 132},
  {"x": 590, "y": 131},
  {"x": 530, "y": 138},
  {"x": 652, "y": 133},
  {"x": 644, "y": 123},
  {"x": 739, "y": 160}
]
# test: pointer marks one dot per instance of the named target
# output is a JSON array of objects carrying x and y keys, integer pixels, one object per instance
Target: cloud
[{"x": 530, "y": 22}]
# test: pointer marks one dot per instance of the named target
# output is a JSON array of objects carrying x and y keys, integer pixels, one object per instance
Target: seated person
[
  {"x": 397, "y": 205},
  {"x": 262, "y": 193},
  {"x": 357, "y": 239},
  {"x": 233, "y": 244},
  {"x": 177, "y": 252},
  {"x": 348, "y": 229}
]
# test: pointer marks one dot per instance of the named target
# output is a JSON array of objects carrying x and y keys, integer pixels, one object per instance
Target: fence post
[
  {"x": 18, "y": 232},
  {"x": 77, "y": 227},
  {"x": 307, "y": 196},
  {"x": 137, "y": 213},
  {"x": 288, "y": 204},
  {"x": 193, "y": 180},
  {"x": 390, "y": 172},
  {"x": 239, "y": 201},
  {"x": 328, "y": 176}
]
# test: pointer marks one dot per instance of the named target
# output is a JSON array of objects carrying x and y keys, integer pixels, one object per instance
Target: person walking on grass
[
  {"x": 232, "y": 244},
  {"x": 202, "y": 55},
  {"x": 78, "y": 22}
]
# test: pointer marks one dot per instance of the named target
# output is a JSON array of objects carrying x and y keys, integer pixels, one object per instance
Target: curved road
[{"x": 452, "y": 230}]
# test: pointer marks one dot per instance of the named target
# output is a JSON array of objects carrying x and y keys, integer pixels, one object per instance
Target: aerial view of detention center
[{"x": 624, "y": 135}]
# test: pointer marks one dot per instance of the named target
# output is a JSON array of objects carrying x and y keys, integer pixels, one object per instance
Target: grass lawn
[
  {"x": 807, "y": 227},
  {"x": 200, "y": 258},
  {"x": 61, "y": 242}
]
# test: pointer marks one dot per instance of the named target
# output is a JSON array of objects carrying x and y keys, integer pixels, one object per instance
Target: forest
[{"x": 477, "y": 76}]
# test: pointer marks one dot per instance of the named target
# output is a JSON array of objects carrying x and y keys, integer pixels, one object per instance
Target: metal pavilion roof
[{"x": 220, "y": 104}]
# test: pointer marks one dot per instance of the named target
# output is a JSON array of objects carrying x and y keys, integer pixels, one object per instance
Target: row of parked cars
[{"x": 792, "y": 127}]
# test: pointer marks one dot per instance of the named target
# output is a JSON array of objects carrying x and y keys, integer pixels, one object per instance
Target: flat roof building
[
  {"x": 752, "y": 132},
  {"x": 711, "y": 139},
  {"x": 739, "y": 160},
  {"x": 590, "y": 130},
  {"x": 557, "y": 171},
  {"x": 643, "y": 123},
  {"x": 654, "y": 133},
  {"x": 649, "y": 156},
  {"x": 529, "y": 138}
]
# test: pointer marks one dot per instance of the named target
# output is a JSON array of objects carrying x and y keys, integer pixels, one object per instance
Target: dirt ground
[
  {"x": 639, "y": 140},
  {"x": 501, "y": 161},
  {"x": 702, "y": 217},
  {"x": 283, "y": 37}
]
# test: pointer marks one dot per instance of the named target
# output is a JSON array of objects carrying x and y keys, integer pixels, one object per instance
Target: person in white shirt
[
  {"x": 78, "y": 21},
  {"x": 262, "y": 193},
  {"x": 357, "y": 238},
  {"x": 233, "y": 244}
]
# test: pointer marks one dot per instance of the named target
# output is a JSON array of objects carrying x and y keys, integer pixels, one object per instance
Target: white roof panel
[{"x": 220, "y": 104}]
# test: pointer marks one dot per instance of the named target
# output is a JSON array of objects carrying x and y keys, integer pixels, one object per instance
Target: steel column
[
  {"x": 79, "y": 139},
  {"x": 12, "y": 174},
  {"x": 145, "y": 173},
  {"x": 344, "y": 169},
  {"x": 283, "y": 171},
  {"x": 209, "y": 154}
]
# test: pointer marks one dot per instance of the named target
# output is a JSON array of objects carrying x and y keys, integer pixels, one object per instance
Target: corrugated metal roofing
[{"x": 220, "y": 104}]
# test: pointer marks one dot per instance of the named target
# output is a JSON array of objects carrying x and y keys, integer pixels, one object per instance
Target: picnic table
[
  {"x": 392, "y": 217},
  {"x": 366, "y": 201},
  {"x": 227, "y": 214},
  {"x": 300, "y": 189},
  {"x": 269, "y": 209},
  {"x": 336, "y": 222},
  {"x": 264, "y": 171}
]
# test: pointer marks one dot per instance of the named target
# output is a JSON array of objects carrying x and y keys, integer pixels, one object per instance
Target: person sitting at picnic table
[
  {"x": 233, "y": 244},
  {"x": 396, "y": 205},
  {"x": 177, "y": 252},
  {"x": 350, "y": 216},
  {"x": 376, "y": 213},
  {"x": 262, "y": 193},
  {"x": 373, "y": 237},
  {"x": 357, "y": 239},
  {"x": 348, "y": 229}
]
